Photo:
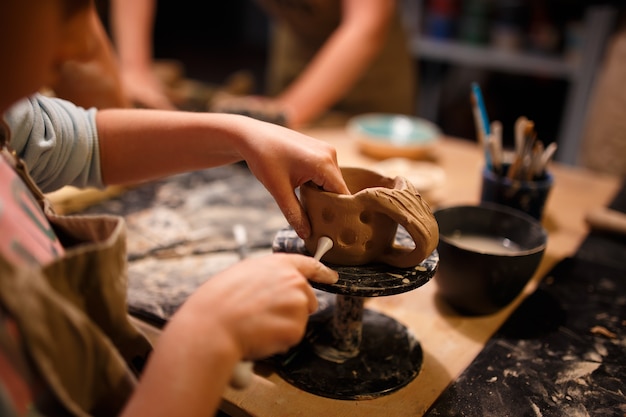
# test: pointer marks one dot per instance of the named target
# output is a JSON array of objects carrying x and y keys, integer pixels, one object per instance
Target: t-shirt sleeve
[{"x": 58, "y": 141}]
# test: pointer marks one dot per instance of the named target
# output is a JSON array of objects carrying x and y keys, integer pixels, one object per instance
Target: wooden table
[{"x": 450, "y": 342}]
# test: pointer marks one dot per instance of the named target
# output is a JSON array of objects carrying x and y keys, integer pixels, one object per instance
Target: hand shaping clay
[{"x": 363, "y": 225}]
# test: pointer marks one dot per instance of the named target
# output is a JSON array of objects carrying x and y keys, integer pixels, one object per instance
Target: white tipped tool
[{"x": 324, "y": 244}]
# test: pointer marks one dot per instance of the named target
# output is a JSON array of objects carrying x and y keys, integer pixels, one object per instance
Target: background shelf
[{"x": 596, "y": 26}]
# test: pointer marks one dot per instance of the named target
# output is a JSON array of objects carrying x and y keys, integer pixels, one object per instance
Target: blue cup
[{"x": 527, "y": 196}]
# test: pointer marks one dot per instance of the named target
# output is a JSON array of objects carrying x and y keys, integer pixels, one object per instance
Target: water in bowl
[{"x": 485, "y": 244}]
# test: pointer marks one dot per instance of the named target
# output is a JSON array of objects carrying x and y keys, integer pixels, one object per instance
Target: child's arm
[
  {"x": 138, "y": 145},
  {"x": 66, "y": 145},
  {"x": 254, "y": 309}
]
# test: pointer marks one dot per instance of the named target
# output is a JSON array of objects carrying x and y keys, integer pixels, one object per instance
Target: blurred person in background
[
  {"x": 604, "y": 137},
  {"x": 351, "y": 56},
  {"x": 120, "y": 73}
]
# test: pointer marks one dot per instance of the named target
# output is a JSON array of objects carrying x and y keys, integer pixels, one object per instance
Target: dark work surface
[
  {"x": 563, "y": 351},
  {"x": 180, "y": 233},
  {"x": 605, "y": 247}
]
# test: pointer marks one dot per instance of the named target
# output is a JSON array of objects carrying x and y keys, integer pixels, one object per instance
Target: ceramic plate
[{"x": 383, "y": 136}]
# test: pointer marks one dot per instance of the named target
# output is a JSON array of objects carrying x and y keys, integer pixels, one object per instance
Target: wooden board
[{"x": 450, "y": 342}]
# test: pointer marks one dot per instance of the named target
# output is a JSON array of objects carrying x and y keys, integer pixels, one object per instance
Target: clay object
[{"x": 363, "y": 224}]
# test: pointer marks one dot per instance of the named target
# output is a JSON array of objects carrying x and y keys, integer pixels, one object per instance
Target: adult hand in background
[{"x": 257, "y": 107}]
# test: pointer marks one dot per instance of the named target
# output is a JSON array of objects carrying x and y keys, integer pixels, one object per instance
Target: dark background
[{"x": 215, "y": 39}]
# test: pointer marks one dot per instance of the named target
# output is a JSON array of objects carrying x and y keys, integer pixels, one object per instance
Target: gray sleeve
[{"x": 57, "y": 140}]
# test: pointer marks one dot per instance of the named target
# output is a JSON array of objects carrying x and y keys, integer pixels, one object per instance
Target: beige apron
[
  {"x": 72, "y": 314},
  {"x": 303, "y": 27}
]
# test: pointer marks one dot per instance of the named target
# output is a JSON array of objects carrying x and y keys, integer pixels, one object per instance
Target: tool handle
[
  {"x": 242, "y": 375},
  {"x": 607, "y": 219}
]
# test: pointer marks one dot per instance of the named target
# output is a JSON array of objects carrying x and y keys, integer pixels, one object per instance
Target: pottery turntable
[{"x": 350, "y": 352}]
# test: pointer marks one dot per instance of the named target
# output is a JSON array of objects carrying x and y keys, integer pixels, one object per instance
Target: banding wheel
[{"x": 350, "y": 352}]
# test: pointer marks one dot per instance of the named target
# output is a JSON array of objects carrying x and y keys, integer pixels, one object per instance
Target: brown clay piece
[{"x": 363, "y": 225}]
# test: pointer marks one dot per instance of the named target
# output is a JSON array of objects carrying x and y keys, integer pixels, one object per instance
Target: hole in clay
[
  {"x": 369, "y": 245},
  {"x": 365, "y": 217},
  {"x": 328, "y": 216},
  {"x": 348, "y": 236}
]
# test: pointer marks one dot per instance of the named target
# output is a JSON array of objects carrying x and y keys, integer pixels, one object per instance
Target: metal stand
[{"x": 350, "y": 352}]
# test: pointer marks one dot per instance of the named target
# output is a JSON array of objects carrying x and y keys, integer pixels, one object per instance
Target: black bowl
[{"x": 487, "y": 254}]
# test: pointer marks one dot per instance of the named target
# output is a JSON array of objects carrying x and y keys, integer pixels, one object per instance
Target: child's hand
[
  {"x": 261, "y": 305},
  {"x": 284, "y": 159},
  {"x": 254, "y": 309}
]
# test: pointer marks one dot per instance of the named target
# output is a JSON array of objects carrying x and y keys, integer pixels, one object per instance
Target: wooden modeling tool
[
  {"x": 495, "y": 146},
  {"x": 242, "y": 375},
  {"x": 607, "y": 220}
]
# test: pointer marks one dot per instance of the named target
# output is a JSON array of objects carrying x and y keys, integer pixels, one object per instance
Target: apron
[
  {"x": 300, "y": 30},
  {"x": 72, "y": 314}
]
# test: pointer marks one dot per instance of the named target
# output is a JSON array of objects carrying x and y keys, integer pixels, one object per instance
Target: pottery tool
[
  {"x": 324, "y": 244},
  {"x": 520, "y": 128},
  {"x": 479, "y": 103},
  {"x": 530, "y": 158},
  {"x": 345, "y": 335},
  {"x": 242, "y": 374},
  {"x": 241, "y": 238},
  {"x": 495, "y": 146},
  {"x": 607, "y": 220},
  {"x": 534, "y": 168},
  {"x": 483, "y": 127},
  {"x": 546, "y": 157}
]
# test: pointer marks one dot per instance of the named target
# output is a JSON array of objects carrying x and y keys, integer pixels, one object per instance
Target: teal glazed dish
[{"x": 383, "y": 136}]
